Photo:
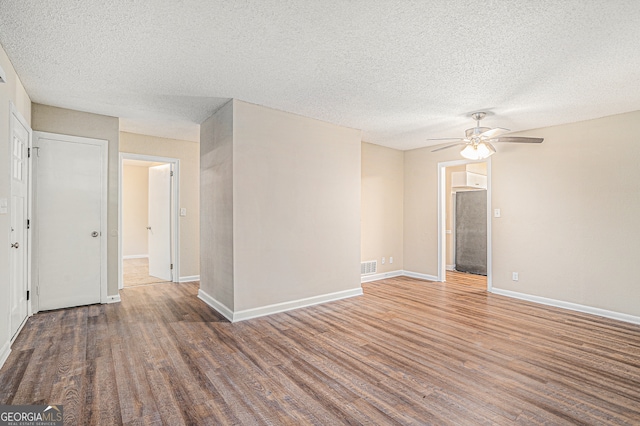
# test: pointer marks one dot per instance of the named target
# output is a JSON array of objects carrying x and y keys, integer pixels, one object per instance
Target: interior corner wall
[
  {"x": 189, "y": 155},
  {"x": 135, "y": 210},
  {"x": 569, "y": 213},
  {"x": 10, "y": 91},
  {"x": 296, "y": 207},
  {"x": 216, "y": 207},
  {"x": 382, "y": 202},
  {"x": 52, "y": 119}
]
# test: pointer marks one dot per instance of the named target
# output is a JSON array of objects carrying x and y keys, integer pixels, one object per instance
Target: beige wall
[
  {"x": 12, "y": 91},
  {"x": 47, "y": 118},
  {"x": 189, "y": 155},
  {"x": 216, "y": 206},
  {"x": 382, "y": 206},
  {"x": 135, "y": 210},
  {"x": 569, "y": 213},
  {"x": 296, "y": 207},
  {"x": 570, "y": 210}
]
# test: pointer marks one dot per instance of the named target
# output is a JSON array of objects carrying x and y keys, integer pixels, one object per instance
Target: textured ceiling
[{"x": 402, "y": 71}]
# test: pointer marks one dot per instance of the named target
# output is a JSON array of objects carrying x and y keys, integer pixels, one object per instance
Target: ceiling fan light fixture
[{"x": 478, "y": 151}]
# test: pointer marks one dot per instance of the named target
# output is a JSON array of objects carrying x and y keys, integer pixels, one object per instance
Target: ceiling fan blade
[
  {"x": 449, "y": 146},
  {"x": 489, "y": 134},
  {"x": 446, "y": 139},
  {"x": 517, "y": 139}
]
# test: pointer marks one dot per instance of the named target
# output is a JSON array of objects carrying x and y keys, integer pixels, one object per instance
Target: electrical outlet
[
  {"x": 383, "y": 260},
  {"x": 514, "y": 276},
  {"x": 497, "y": 213},
  {"x": 391, "y": 259}
]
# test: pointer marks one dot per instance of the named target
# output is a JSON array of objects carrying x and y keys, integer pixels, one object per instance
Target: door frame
[
  {"x": 14, "y": 112},
  {"x": 175, "y": 210},
  {"x": 104, "y": 180},
  {"x": 442, "y": 215}
]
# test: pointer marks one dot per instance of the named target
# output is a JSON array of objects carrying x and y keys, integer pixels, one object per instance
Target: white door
[
  {"x": 159, "y": 229},
  {"x": 71, "y": 220},
  {"x": 18, "y": 266}
]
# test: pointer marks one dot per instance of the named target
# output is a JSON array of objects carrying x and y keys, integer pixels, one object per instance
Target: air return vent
[{"x": 368, "y": 267}]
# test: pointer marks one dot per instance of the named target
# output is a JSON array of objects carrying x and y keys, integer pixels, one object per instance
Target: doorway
[
  {"x": 148, "y": 220},
  {"x": 464, "y": 226}
]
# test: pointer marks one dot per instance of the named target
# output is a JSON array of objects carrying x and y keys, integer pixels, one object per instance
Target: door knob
[
  {"x": 95, "y": 234},
  {"x": 15, "y": 245}
]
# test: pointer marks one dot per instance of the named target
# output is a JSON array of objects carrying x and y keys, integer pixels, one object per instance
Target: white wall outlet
[
  {"x": 183, "y": 211},
  {"x": 391, "y": 259},
  {"x": 496, "y": 213},
  {"x": 514, "y": 276},
  {"x": 383, "y": 260}
]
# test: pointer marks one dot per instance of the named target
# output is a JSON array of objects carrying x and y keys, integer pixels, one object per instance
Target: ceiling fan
[{"x": 478, "y": 140}]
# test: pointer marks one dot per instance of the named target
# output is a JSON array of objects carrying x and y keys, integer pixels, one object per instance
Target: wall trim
[
  {"x": 380, "y": 276},
  {"x": 189, "y": 278},
  {"x": 277, "y": 307},
  {"x": 114, "y": 298},
  {"x": 295, "y": 304},
  {"x": 4, "y": 353},
  {"x": 135, "y": 256},
  {"x": 420, "y": 276},
  {"x": 568, "y": 305},
  {"x": 216, "y": 305}
]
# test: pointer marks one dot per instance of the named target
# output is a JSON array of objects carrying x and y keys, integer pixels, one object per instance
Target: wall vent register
[{"x": 368, "y": 267}]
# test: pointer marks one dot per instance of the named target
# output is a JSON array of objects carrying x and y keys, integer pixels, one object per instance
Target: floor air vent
[{"x": 368, "y": 267}]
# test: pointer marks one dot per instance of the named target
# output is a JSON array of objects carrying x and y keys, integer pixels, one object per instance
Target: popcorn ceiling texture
[{"x": 402, "y": 71}]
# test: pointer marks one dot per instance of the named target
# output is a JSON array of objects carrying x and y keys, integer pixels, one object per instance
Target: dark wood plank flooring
[{"x": 407, "y": 352}]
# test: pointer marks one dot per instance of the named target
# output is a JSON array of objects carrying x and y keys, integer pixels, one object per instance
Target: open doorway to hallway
[
  {"x": 465, "y": 248},
  {"x": 148, "y": 221}
]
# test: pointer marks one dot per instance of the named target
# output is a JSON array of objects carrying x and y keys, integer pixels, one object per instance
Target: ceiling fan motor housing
[{"x": 475, "y": 131}]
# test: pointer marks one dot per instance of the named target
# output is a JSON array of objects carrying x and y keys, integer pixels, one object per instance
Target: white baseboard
[
  {"x": 217, "y": 306},
  {"x": 4, "y": 353},
  {"x": 113, "y": 299},
  {"x": 275, "y": 308},
  {"x": 295, "y": 304},
  {"x": 381, "y": 276},
  {"x": 450, "y": 267},
  {"x": 568, "y": 305},
  {"x": 189, "y": 278},
  {"x": 420, "y": 276},
  {"x": 135, "y": 256}
]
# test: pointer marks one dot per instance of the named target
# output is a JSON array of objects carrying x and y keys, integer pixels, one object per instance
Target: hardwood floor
[
  {"x": 407, "y": 352},
  {"x": 136, "y": 272},
  {"x": 472, "y": 280}
]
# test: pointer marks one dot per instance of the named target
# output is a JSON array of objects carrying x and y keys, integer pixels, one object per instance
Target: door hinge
[
  {"x": 27, "y": 294},
  {"x": 28, "y": 152},
  {"x": 28, "y": 224},
  {"x": 171, "y": 173},
  {"x": 171, "y": 267}
]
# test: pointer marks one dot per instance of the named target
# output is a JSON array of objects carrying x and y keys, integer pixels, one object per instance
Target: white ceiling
[{"x": 402, "y": 71}]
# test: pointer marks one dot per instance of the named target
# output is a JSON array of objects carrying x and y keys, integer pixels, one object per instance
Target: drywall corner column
[
  {"x": 51, "y": 119},
  {"x": 216, "y": 207},
  {"x": 296, "y": 207}
]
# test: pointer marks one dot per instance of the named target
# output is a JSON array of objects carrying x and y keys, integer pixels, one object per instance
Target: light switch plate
[{"x": 183, "y": 211}]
